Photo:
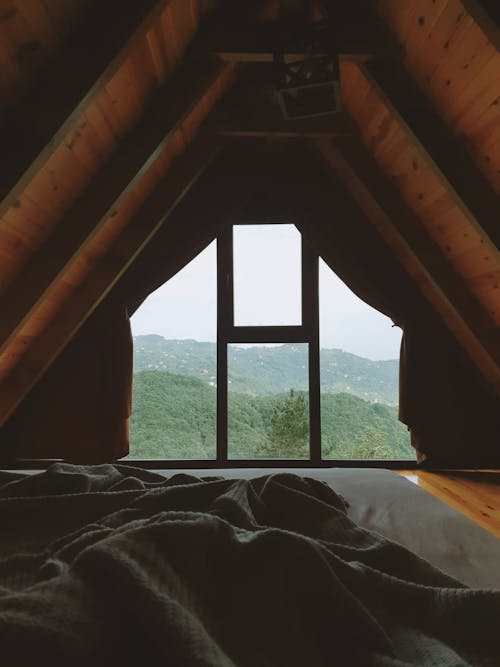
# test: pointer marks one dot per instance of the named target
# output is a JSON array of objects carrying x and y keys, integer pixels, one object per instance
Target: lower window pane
[
  {"x": 175, "y": 360},
  {"x": 174, "y": 415},
  {"x": 268, "y": 401}
]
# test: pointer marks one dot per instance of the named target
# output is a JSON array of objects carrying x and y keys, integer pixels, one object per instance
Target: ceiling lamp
[{"x": 309, "y": 83}]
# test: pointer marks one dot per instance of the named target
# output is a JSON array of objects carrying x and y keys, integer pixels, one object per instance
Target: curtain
[
  {"x": 79, "y": 410},
  {"x": 453, "y": 416}
]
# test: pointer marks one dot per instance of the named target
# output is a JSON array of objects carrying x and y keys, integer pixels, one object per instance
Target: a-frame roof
[{"x": 111, "y": 110}]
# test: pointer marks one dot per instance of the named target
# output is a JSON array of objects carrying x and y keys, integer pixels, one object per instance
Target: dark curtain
[
  {"x": 453, "y": 416},
  {"x": 79, "y": 410}
]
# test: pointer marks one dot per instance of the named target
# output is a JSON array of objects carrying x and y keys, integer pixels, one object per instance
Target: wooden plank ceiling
[{"x": 103, "y": 103}]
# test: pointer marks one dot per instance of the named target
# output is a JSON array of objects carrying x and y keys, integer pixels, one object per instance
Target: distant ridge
[{"x": 263, "y": 371}]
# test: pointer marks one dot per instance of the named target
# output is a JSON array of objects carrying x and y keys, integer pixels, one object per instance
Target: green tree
[
  {"x": 371, "y": 443},
  {"x": 289, "y": 432}
]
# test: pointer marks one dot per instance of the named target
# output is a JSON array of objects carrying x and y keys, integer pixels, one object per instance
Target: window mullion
[
  {"x": 310, "y": 320},
  {"x": 225, "y": 308}
]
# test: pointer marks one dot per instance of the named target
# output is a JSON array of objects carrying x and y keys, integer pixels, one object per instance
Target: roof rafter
[
  {"x": 35, "y": 127},
  {"x": 144, "y": 143},
  {"x": 430, "y": 135},
  {"x": 149, "y": 218},
  {"x": 420, "y": 256},
  {"x": 486, "y": 13}
]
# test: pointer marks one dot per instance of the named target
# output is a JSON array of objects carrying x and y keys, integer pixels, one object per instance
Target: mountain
[
  {"x": 174, "y": 416},
  {"x": 264, "y": 371}
]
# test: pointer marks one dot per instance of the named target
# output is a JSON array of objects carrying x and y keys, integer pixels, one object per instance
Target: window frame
[{"x": 228, "y": 332}]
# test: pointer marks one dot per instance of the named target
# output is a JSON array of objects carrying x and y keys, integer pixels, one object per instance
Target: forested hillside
[
  {"x": 264, "y": 371},
  {"x": 174, "y": 416}
]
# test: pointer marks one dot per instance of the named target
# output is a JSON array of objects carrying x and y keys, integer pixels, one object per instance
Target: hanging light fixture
[{"x": 309, "y": 83}]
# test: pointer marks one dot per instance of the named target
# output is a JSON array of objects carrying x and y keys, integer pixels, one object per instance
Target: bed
[{"x": 113, "y": 564}]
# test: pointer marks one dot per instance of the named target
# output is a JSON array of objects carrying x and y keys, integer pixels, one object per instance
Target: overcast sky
[{"x": 267, "y": 291}]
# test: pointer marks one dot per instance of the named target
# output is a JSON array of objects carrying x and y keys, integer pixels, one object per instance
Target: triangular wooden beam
[
  {"x": 93, "y": 53},
  {"x": 152, "y": 214},
  {"x": 167, "y": 111},
  {"x": 486, "y": 14}
]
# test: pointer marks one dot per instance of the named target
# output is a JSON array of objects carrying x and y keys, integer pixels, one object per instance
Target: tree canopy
[{"x": 174, "y": 416}]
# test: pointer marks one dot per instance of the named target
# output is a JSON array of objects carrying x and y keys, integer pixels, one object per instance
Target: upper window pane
[{"x": 267, "y": 275}]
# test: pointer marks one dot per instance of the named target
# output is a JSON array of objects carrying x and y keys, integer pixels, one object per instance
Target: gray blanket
[{"x": 109, "y": 565}]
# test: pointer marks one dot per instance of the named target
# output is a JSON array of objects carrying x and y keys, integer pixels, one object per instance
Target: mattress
[{"x": 389, "y": 504}]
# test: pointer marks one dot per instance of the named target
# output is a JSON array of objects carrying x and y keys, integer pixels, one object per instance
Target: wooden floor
[{"x": 475, "y": 494}]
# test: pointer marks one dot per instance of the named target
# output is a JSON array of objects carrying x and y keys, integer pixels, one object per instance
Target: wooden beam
[
  {"x": 430, "y": 135},
  {"x": 421, "y": 257},
  {"x": 170, "y": 107},
  {"x": 360, "y": 35},
  {"x": 251, "y": 109},
  {"x": 106, "y": 273},
  {"x": 93, "y": 53},
  {"x": 486, "y": 14}
]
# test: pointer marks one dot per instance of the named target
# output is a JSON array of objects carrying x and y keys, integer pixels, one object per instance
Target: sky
[{"x": 266, "y": 291}]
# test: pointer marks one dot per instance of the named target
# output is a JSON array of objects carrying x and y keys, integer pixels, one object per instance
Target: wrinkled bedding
[
  {"x": 387, "y": 503},
  {"x": 108, "y": 565}
]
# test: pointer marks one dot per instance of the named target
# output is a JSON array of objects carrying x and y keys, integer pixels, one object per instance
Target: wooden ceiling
[{"x": 111, "y": 110}]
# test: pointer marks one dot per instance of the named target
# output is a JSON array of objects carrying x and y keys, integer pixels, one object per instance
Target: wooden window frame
[{"x": 228, "y": 332}]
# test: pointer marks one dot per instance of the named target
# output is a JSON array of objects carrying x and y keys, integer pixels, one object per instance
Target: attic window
[{"x": 235, "y": 374}]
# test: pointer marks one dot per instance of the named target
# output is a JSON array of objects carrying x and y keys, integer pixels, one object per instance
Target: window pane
[
  {"x": 268, "y": 401},
  {"x": 267, "y": 275},
  {"x": 359, "y": 365},
  {"x": 174, "y": 393}
]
